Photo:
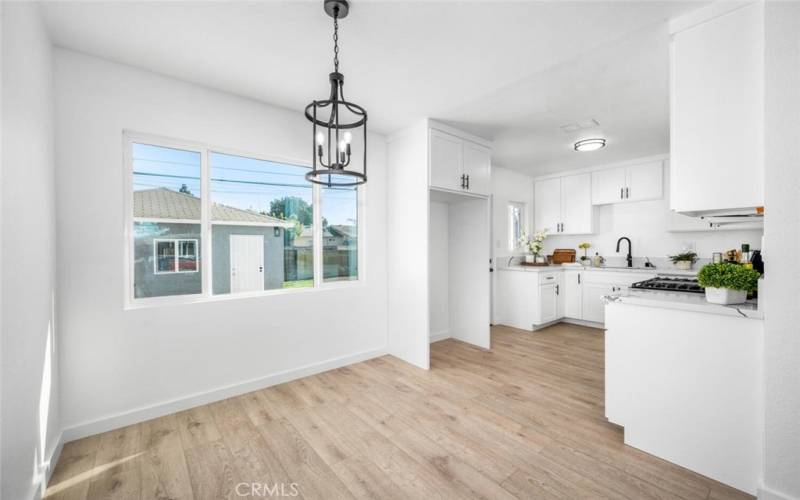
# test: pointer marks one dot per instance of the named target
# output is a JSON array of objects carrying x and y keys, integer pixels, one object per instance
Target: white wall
[
  {"x": 407, "y": 239},
  {"x": 439, "y": 251},
  {"x": 123, "y": 365},
  {"x": 30, "y": 402},
  {"x": 781, "y": 241},
  {"x": 507, "y": 186}
]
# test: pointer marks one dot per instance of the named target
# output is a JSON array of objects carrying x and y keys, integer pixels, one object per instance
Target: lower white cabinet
[
  {"x": 529, "y": 299},
  {"x": 548, "y": 304},
  {"x": 593, "y": 304},
  {"x": 573, "y": 294}
]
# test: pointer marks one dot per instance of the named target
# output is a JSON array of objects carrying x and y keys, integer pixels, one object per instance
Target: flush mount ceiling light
[
  {"x": 334, "y": 120},
  {"x": 590, "y": 144}
]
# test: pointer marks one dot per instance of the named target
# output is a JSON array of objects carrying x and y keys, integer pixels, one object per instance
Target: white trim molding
[{"x": 764, "y": 493}]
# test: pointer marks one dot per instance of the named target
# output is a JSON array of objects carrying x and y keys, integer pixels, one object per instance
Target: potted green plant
[
  {"x": 585, "y": 247},
  {"x": 533, "y": 245},
  {"x": 684, "y": 260},
  {"x": 727, "y": 283}
]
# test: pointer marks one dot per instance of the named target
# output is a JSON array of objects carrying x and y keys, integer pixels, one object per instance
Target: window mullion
[
  {"x": 316, "y": 195},
  {"x": 205, "y": 221}
]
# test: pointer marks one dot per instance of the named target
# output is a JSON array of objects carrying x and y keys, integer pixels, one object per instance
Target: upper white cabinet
[
  {"x": 459, "y": 164},
  {"x": 563, "y": 205},
  {"x": 631, "y": 183},
  {"x": 547, "y": 205},
  {"x": 716, "y": 137},
  {"x": 446, "y": 159}
]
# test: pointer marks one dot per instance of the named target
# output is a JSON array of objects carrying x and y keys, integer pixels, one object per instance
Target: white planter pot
[
  {"x": 684, "y": 265},
  {"x": 725, "y": 296},
  {"x": 529, "y": 259}
]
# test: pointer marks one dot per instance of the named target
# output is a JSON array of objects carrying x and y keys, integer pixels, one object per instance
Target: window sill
[{"x": 178, "y": 300}]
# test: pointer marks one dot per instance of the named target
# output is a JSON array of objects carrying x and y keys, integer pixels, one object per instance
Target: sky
[{"x": 237, "y": 181}]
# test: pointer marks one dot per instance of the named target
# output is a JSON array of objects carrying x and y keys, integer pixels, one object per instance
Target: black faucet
[{"x": 629, "y": 258}]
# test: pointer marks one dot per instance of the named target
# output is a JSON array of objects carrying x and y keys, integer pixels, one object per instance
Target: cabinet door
[
  {"x": 576, "y": 204},
  {"x": 716, "y": 133},
  {"x": 547, "y": 205},
  {"x": 593, "y": 305},
  {"x": 548, "y": 303},
  {"x": 573, "y": 295},
  {"x": 645, "y": 182},
  {"x": 445, "y": 160},
  {"x": 608, "y": 186},
  {"x": 477, "y": 166}
]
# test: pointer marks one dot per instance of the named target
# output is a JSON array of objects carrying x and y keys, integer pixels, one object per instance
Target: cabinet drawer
[{"x": 545, "y": 278}]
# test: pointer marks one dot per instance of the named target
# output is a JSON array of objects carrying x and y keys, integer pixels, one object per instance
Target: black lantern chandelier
[{"x": 335, "y": 120}]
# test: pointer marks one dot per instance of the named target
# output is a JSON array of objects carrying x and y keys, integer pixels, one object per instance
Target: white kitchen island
[{"x": 683, "y": 378}]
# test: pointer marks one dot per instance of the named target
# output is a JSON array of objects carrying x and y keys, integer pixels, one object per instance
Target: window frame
[
  {"x": 206, "y": 226},
  {"x": 513, "y": 242},
  {"x": 176, "y": 256}
]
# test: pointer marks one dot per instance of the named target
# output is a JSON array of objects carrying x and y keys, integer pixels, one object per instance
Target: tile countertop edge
[{"x": 686, "y": 302}]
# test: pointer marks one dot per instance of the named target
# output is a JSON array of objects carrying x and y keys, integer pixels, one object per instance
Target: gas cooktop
[{"x": 670, "y": 284}]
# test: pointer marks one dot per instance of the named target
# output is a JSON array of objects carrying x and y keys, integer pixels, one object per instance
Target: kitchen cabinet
[
  {"x": 563, "y": 205},
  {"x": 445, "y": 160},
  {"x": 548, "y": 303},
  {"x": 477, "y": 167},
  {"x": 458, "y": 164},
  {"x": 573, "y": 295},
  {"x": 717, "y": 104},
  {"x": 625, "y": 184},
  {"x": 596, "y": 284},
  {"x": 593, "y": 304},
  {"x": 547, "y": 205}
]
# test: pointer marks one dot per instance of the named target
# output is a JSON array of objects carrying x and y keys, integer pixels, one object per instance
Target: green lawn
[{"x": 298, "y": 283}]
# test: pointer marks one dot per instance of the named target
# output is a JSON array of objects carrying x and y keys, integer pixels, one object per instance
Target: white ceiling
[{"x": 510, "y": 71}]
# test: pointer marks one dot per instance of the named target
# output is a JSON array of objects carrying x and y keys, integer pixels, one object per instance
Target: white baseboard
[
  {"x": 436, "y": 337},
  {"x": 49, "y": 465},
  {"x": 591, "y": 324},
  {"x": 765, "y": 493},
  {"x": 142, "y": 414}
]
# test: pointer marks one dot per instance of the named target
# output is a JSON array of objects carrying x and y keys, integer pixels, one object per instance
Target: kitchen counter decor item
[
  {"x": 684, "y": 261},
  {"x": 585, "y": 247},
  {"x": 534, "y": 245},
  {"x": 563, "y": 255},
  {"x": 727, "y": 283}
]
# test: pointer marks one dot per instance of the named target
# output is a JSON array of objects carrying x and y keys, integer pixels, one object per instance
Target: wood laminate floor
[{"x": 522, "y": 421}]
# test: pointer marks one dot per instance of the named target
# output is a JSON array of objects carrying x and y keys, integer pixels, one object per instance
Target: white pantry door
[{"x": 247, "y": 263}]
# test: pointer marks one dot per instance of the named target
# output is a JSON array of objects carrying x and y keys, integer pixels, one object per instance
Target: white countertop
[
  {"x": 687, "y": 302},
  {"x": 558, "y": 267}
]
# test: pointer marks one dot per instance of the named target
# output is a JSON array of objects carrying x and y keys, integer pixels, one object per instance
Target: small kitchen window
[
  {"x": 516, "y": 224},
  {"x": 175, "y": 256}
]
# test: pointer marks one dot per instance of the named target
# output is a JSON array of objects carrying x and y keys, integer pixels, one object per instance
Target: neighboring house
[{"x": 247, "y": 247}]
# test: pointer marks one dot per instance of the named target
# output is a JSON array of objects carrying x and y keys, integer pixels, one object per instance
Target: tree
[
  {"x": 292, "y": 207},
  {"x": 185, "y": 190}
]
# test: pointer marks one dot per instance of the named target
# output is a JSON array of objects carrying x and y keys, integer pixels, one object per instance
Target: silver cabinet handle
[
  {"x": 627, "y": 193},
  {"x": 579, "y": 278},
  {"x": 557, "y": 290},
  {"x": 621, "y": 192}
]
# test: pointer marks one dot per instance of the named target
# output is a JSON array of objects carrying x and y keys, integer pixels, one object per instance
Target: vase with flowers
[
  {"x": 534, "y": 246},
  {"x": 585, "y": 260}
]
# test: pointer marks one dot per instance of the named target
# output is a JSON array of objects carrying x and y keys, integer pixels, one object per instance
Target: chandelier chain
[{"x": 336, "y": 39}]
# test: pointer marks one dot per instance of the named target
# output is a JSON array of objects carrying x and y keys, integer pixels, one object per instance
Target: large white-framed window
[
  {"x": 515, "y": 224},
  {"x": 205, "y": 223}
]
